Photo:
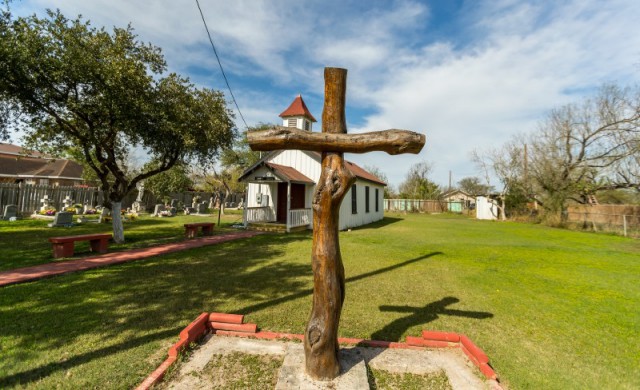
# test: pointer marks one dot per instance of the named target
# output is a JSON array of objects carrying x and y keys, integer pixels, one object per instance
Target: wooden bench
[
  {"x": 63, "y": 246},
  {"x": 191, "y": 229}
]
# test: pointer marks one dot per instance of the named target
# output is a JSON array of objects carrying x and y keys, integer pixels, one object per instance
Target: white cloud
[
  {"x": 506, "y": 63},
  {"x": 526, "y": 61}
]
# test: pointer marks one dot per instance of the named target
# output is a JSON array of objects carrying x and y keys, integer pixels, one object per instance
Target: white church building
[{"x": 280, "y": 186}]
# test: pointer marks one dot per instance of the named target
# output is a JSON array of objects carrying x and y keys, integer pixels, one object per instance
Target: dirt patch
[
  {"x": 242, "y": 371},
  {"x": 385, "y": 380}
]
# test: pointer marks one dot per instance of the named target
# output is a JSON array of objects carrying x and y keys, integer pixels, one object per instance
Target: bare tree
[
  {"x": 580, "y": 149},
  {"x": 507, "y": 165}
]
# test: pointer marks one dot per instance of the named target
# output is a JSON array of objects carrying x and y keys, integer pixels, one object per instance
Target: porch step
[
  {"x": 268, "y": 227},
  {"x": 274, "y": 227}
]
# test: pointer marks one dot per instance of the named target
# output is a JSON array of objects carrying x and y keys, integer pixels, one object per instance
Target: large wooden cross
[{"x": 321, "y": 335}]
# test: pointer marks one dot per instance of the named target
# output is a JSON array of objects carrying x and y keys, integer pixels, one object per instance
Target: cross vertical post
[{"x": 321, "y": 335}]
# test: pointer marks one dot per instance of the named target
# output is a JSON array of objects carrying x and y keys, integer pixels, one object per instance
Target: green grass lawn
[
  {"x": 553, "y": 309},
  {"x": 25, "y": 242}
]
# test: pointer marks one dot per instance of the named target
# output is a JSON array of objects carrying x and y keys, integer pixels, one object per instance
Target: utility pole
[{"x": 526, "y": 165}]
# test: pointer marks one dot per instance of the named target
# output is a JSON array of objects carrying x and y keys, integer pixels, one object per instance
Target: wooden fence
[
  {"x": 28, "y": 198},
  {"x": 607, "y": 217}
]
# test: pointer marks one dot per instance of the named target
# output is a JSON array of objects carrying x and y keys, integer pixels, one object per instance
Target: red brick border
[{"x": 224, "y": 324}]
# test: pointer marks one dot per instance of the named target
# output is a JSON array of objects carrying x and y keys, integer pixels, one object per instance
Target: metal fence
[
  {"x": 415, "y": 205},
  {"x": 28, "y": 198}
]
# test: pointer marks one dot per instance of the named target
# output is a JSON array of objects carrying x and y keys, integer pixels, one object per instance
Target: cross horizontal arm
[{"x": 391, "y": 141}]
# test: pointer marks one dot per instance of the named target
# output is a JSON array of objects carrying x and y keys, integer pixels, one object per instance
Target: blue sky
[{"x": 467, "y": 74}]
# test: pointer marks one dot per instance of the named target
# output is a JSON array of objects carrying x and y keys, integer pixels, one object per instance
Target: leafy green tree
[
  {"x": 223, "y": 180},
  {"x": 417, "y": 184},
  {"x": 65, "y": 83},
  {"x": 176, "y": 179}
]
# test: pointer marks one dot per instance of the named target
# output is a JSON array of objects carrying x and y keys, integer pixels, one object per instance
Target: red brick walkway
[{"x": 27, "y": 274}]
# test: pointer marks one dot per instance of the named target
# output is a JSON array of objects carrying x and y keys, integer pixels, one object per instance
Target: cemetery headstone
[
  {"x": 62, "y": 219},
  {"x": 201, "y": 208},
  {"x": 103, "y": 213},
  {"x": 10, "y": 211},
  {"x": 174, "y": 203},
  {"x": 158, "y": 209},
  {"x": 173, "y": 211},
  {"x": 67, "y": 201},
  {"x": 321, "y": 335},
  {"x": 211, "y": 202},
  {"x": 46, "y": 203}
]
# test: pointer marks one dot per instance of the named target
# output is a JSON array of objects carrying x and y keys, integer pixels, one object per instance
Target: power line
[{"x": 220, "y": 63}]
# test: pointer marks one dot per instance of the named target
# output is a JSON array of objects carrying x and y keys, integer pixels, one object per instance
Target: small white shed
[{"x": 486, "y": 208}]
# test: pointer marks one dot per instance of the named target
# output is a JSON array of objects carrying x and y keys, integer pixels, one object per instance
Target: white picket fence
[
  {"x": 259, "y": 214},
  {"x": 300, "y": 217}
]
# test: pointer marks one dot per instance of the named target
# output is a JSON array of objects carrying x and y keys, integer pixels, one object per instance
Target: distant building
[
  {"x": 36, "y": 168},
  {"x": 280, "y": 186}
]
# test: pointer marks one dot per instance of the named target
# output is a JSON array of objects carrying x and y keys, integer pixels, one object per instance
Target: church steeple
[{"x": 297, "y": 115}]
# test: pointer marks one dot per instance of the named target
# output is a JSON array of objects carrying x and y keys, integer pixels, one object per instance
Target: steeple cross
[{"x": 321, "y": 335}]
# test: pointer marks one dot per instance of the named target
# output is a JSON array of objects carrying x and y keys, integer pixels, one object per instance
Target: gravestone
[
  {"x": 87, "y": 206},
  {"x": 10, "y": 211},
  {"x": 174, "y": 203},
  {"x": 46, "y": 203},
  {"x": 139, "y": 206},
  {"x": 211, "y": 202},
  {"x": 201, "y": 208},
  {"x": 321, "y": 335},
  {"x": 158, "y": 209},
  {"x": 67, "y": 201},
  {"x": 62, "y": 219},
  {"x": 173, "y": 211},
  {"x": 103, "y": 213}
]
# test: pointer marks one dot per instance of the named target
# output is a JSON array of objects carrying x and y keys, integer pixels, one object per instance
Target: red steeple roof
[{"x": 298, "y": 108}]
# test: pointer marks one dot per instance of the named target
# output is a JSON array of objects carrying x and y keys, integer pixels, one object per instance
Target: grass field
[{"x": 553, "y": 309}]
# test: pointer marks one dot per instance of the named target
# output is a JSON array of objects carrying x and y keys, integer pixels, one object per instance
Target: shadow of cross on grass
[{"x": 421, "y": 315}]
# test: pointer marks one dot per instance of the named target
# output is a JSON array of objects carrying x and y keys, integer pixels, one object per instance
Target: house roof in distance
[
  {"x": 15, "y": 164},
  {"x": 298, "y": 108},
  {"x": 355, "y": 169},
  {"x": 18, "y": 151},
  {"x": 361, "y": 173},
  {"x": 289, "y": 173}
]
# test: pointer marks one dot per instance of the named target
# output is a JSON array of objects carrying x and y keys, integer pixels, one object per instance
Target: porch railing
[
  {"x": 300, "y": 217},
  {"x": 259, "y": 214}
]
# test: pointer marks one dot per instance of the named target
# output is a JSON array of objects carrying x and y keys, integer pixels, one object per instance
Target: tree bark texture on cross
[{"x": 321, "y": 335}]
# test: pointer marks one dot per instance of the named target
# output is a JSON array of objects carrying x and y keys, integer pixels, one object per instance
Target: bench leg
[
  {"x": 207, "y": 230},
  {"x": 99, "y": 245},
  {"x": 63, "y": 250},
  {"x": 190, "y": 232}
]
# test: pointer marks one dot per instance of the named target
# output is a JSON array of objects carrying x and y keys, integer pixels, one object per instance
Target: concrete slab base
[
  {"x": 353, "y": 361},
  {"x": 353, "y": 371}
]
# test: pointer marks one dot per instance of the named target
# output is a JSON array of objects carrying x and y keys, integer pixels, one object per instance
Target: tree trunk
[
  {"x": 116, "y": 221},
  {"x": 321, "y": 336},
  {"x": 503, "y": 210}
]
